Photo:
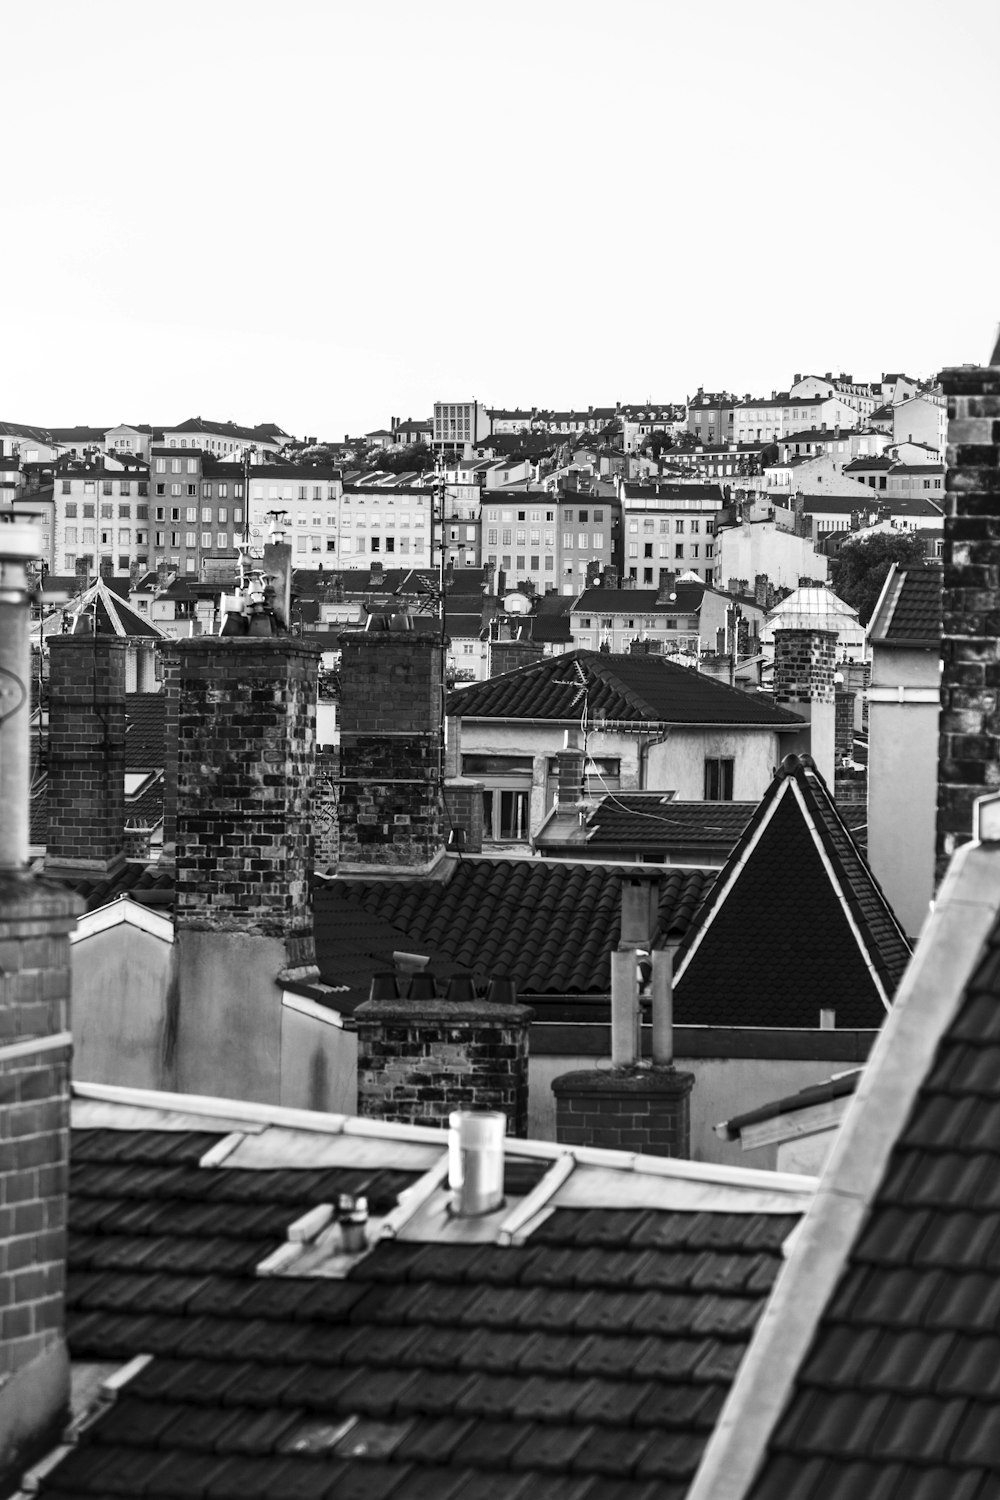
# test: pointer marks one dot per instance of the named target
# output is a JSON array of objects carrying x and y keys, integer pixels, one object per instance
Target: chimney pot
[{"x": 476, "y": 1162}]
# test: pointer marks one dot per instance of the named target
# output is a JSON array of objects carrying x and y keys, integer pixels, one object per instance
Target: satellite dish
[{"x": 517, "y": 604}]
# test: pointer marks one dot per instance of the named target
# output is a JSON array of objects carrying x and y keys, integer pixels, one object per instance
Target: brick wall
[
  {"x": 463, "y": 801},
  {"x": 507, "y": 656},
  {"x": 804, "y": 666},
  {"x": 326, "y": 826},
  {"x": 844, "y": 724},
  {"x": 246, "y": 756},
  {"x": 85, "y": 790},
  {"x": 35, "y": 922},
  {"x": 420, "y": 1059},
  {"x": 969, "y": 745},
  {"x": 625, "y": 1109},
  {"x": 390, "y": 749}
]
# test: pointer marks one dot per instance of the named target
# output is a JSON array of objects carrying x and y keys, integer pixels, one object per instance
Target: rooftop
[
  {"x": 579, "y": 1341},
  {"x": 616, "y": 689}
]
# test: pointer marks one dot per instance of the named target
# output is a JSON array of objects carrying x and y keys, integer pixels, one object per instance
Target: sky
[{"x": 326, "y": 213}]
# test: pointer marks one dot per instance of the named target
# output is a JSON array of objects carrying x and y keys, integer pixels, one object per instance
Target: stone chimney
[
  {"x": 804, "y": 667},
  {"x": 244, "y": 723},
  {"x": 85, "y": 786},
  {"x": 632, "y": 1106},
  {"x": 507, "y": 656},
  {"x": 969, "y": 745},
  {"x": 391, "y": 771},
  {"x": 36, "y": 918},
  {"x": 422, "y": 1054}
]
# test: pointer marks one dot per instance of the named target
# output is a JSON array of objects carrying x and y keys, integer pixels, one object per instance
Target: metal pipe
[
  {"x": 19, "y": 542},
  {"x": 662, "y": 997},
  {"x": 624, "y": 1007}
]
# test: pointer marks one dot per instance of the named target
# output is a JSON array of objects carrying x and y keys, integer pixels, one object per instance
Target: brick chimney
[
  {"x": 507, "y": 656},
  {"x": 632, "y": 1106},
  {"x": 85, "y": 785},
  {"x": 242, "y": 712},
  {"x": 423, "y": 1053},
  {"x": 569, "y": 764},
  {"x": 969, "y": 746},
  {"x": 390, "y": 748},
  {"x": 36, "y": 918},
  {"x": 804, "y": 667}
]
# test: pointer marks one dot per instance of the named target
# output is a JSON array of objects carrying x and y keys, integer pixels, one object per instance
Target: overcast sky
[{"x": 325, "y": 213}]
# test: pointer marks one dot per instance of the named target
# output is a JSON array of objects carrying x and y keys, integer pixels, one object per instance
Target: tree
[
  {"x": 657, "y": 443},
  {"x": 862, "y": 567}
]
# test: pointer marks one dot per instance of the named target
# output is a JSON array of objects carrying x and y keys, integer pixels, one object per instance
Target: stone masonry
[
  {"x": 246, "y": 748},
  {"x": 390, "y": 749},
  {"x": 969, "y": 744},
  {"x": 85, "y": 789},
  {"x": 626, "y": 1109},
  {"x": 420, "y": 1059},
  {"x": 804, "y": 667},
  {"x": 36, "y": 919}
]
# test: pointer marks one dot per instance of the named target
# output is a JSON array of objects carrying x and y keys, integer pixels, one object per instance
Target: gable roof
[
  {"x": 104, "y": 606},
  {"x": 909, "y": 612},
  {"x": 882, "y": 1379},
  {"x": 550, "y": 926},
  {"x": 613, "y": 690},
  {"x": 589, "y": 1345},
  {"x": 794, "y": 885}
]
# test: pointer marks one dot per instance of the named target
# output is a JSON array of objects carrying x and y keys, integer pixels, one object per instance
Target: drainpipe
[
  {"x": 662, "y": 998},
  {"x": 19, "y": 543},
  {"x": 644, "y": 750}
]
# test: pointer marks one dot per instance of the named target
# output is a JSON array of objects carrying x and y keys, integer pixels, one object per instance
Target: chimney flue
[{"x": 475, "y": 1162}]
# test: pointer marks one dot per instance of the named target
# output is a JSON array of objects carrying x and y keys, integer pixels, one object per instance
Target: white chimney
[{"x": 475, "y": 1161}]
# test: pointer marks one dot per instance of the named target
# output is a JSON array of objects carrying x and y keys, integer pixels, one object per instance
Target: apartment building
[
  {"x": 225, "y": 440},
  {"x": 710, "y": 416},
  {"x": 458, "y": 424},
  {"x": 197, "y": 509},
  {"x": 668, "y": 528},
  {"x": 756, "y": 420},
  {"x": 101, "y": 515},
  {"x": 308, "y": 499}
]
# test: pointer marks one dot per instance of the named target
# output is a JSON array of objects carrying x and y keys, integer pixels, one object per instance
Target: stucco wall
[
  {"x": 902, "y": 785},
  {"x": 121, "y": 983},
  {"x": 679, "y": 763},
  {"x": 229, "y": 1015},
  {"x": 318, "y": 1064},
  {"x": 763, "y": 547}
]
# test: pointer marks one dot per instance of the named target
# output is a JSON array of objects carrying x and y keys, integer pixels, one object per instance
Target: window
[
  {"x": 67, "y": 487},
  {"x": 719, "y": 779},
  {"x": 175, "y": 489},
  {"x": 206, "y": 539},
  {"x": 124, "y": 536},
  {"x": 191, "y": 514},
  {"x": 69, "y": 536},
  {"x": 161, "y": 466},
  {"x": 175, "y": 466},
  {"x": 88, "y": 512},
  {"x": 582, "y": 515},
  {"x": 107, "y": 512},
  {"x": 143, "y": 487},
  {"x": 105, "y": 486},
  {"x": 190, "y": 539},
  {"x": 124, "y": 488},
  {"x": 89, "y": 487},
  {"x": 71, "y": 511},
  {"x": 679, "y": 549},
  {"x": 124, "y": 512},
  {"x": 567, "y": 540},
  {"x": 222, "y": 540},
  {"x": 647, "y": 550}
]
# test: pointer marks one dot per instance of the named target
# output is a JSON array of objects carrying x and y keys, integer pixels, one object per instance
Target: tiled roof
[
  {"x": 898, "y": 1393},
  {"x": 795, "y": 923},
  {"x": 911, "y": 609},
  {"x": 548, "y": 925},
  {"x": 646, "y": 820},
  {"x": 145, "y": 717},
  {"x": 590, "y": 1360},
  {"x": 632, "y": 689},
  {"x": 666, "y": 491},
  {"x": 686, "y": 600},
  {"x": 146, "y": 884},
  {"x": 898, "y": 504}
]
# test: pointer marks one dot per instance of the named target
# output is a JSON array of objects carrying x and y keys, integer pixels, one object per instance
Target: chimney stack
[
  {"x": 36, "y": 918},
  {"x": 804, "y": 666},
  {"x": 633, "y": 1106},
  {"x": 969, "y": 754},
  {"x": 85, "y": 785},
  {"x": 391, "y": 772},
  {"x": 241, "y": 712},
  {"x": 423, "y": 1054}
]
